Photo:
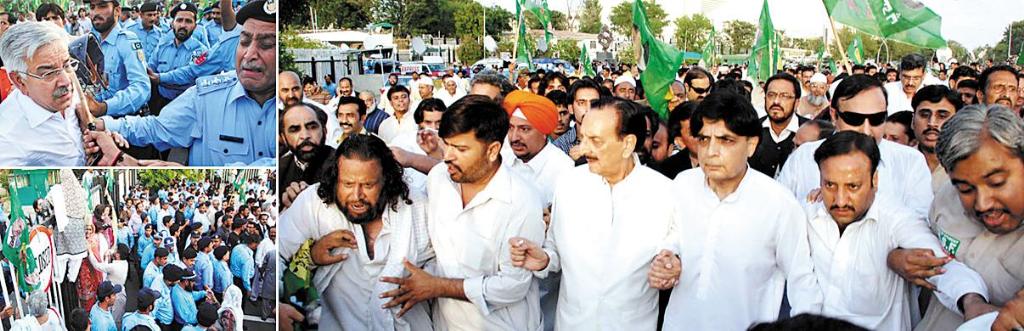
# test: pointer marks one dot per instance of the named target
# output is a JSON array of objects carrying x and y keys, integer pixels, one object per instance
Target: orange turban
[{"x": 538, "y": 110}]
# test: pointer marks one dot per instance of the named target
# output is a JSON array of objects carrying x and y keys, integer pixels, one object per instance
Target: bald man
[{"x": 289, "y": 92}]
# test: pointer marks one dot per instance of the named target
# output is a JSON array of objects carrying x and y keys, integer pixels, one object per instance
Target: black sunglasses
[
  {"x": 700, "y": 90},
  {"x": 856, "y": 119}
]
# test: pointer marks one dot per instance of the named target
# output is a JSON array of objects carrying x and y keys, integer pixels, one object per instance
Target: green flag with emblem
[
  {"x": 709, "y": 54},
  {"x": 907, "y": 21},
  {"x": 588, "y": 69},
  {"x": 764, "y": 56},
  {"x": 856, "y": 51},
  {"x": 659, "y": 60}
]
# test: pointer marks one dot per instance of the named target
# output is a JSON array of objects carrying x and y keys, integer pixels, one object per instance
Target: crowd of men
[
  {"x": 880, "y": 198},
  {"x": 145, "y": 86},
  {"x": 196, "y": 252}
]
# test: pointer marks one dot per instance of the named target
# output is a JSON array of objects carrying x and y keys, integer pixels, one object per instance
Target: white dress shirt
[
  {"x": 603, "y": 238},
  {"x": 33, "y": 136},
  {"x": 851, "y": 268},
  {"x": 449, "y": 99},
  {"x": 542, "y": 171},
  {"x": 790, "y": 129},
  {"x": 471, "y": 243},
  {"x": 903, "y": 175},
  {"x": 416, "y": 180},
  {"x": 391, "y": 128},
  {"x": 897, "y": 101},
  {"x": 351, "y": 289},
  {"x": 738, "y": 253}
]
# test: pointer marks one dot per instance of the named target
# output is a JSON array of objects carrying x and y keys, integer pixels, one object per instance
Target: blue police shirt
[
  {"x": 204, "y": 270},
  {"x": 220, "y": 58},
  {"x": 101, "y": 319},
  {"x": 124, "y": 66},
  {"x": 150, "y": 38},
  {"x": 216, "y": 119},
  {"x": 242, "y": 265},
  {"x": 133, "y": 319},
  {"x": 169, "y": 56},
  {"x": 164, "y": 310},
  {"x": 185, "y": 311},
  {"x": 222, "y": 278},
  {"x": 147, "y": 255},
  {"x": 213, "y": 31},
  {"x": 153, "y": 272}
]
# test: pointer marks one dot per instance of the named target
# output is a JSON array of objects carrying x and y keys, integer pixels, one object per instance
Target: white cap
[
  {"x": 625, "y": 79},
  {"x": 818, "y": 78},
  {"x": 424, "y": 79}
]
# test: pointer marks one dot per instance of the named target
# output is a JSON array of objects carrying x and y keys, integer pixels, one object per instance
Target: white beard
[{"x": 817, "y": 100}]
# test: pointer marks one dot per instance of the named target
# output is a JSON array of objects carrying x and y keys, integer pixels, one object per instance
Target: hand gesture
[
  {"x": 527, "y": 255},
  {"x": 291, "y": 192},
  {"x": 665, "y": 270},
  {"x": 419, "y": 286},
  {"x": 430, "y": 143},
  {"x": 916, "y": 265},
  {"x": 321, "y": 251},
  {"x": 1011, "y": 317}
]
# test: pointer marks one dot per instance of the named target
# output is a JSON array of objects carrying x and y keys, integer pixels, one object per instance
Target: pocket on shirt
[{"x": 229, "y": 149}]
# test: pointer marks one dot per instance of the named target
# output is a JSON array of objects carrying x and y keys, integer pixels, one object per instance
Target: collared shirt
[
  {"x": 738, "y": 253},
  {"x": 416, "y": 180},
  {"x": 170, "y": 55},
  {"x": 216, "y": 119},
  {"x": 135, "y": 318},
  {"x": 213, "y": 32},
  {"x": 222, "y": 278},
  {"x": 449, "y": 99},
  {"x": 902, "y": 175},
  {"x": 33, "y": 136},
  {"x": 566, "y": 140},
  {"x": 998, "y": 258},
  {"x": 542, "y": 171},
  {"x": 242, "y": 265},
  {"x": 153, "y": 272},
  {"x": 630, "y": 222},
  {"x": 204, "y": 270},
  {"x": 939, "y": 178},
  {"x": 391, "y": 128},
  {"x": 351, "y": 289},
  {"x": 265, "y": 246},
  {"x": 790, "y": 129},
  {"x": 851, "y": 268},
  {"x": 220, "y": 58},
  {"x": 150, "y": 38},
  {"x": 184, "y": 302},
  {"x": 471, "y": 243},
  {"x": 100, "y": 319},
  {"x": 124, "y": 60}
]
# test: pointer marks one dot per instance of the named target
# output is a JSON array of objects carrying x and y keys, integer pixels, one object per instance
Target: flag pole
[
  {"x": 512, "y": 75},
  {"x": 839, "y": 45}
]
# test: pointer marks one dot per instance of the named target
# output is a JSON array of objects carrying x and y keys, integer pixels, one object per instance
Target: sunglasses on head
[{"x": 856, "y": 119}]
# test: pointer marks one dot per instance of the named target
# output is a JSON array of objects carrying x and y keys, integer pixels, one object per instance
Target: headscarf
[{"x": 538, "y": 110}]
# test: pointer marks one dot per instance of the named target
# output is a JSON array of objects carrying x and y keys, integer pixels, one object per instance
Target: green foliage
[
  {"x": 289, "y": 39},
  {"x": 692, "y": 32},
  {"x": 160, "y": 178},
  {"x": 558, "y": 21},
  {"x": 470, "y": 49},
  {"x": 622, "y": 17},
  {"x": 998, "y": 52},
  {"x": 625, "y": 55},
  {"x": 590, "y": 19},
  {"x": 741, "y": 35}
]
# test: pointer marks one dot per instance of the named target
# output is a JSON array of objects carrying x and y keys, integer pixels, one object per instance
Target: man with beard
[
  {"x": 978, "y": 215},
  {"x": 850, "y": 232},
  {"x": 531, "y": 119},
  {"x": 780, "y": 126},
  {"x": 219, "y": 59},
  {"x": 698, "y": 83},
  {"x": 128, "y": 88},
  {"x": 148, "y": 28},
  {"x": 376, "y": 114},
  {"x": 303, "y": 132},
  {"x": 224, "y": 119},
  {"x": 933, "y": 106},
  {"x": 475, "y": 283},
  {"x": 614, "y": 205},
  {"x": 859, "y": 105},
  {"x": 365, "y": 223},
  {"x": 813, "y": 103},
  {"x": 998, "y": 85},
  {"x": 351, "y": 113},
  {"x": 176, "y": 50},
  {"x": 213, "y": 28}
]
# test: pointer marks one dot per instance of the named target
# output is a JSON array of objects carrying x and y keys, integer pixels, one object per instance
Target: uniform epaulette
[{"x": 207, "y": 84}]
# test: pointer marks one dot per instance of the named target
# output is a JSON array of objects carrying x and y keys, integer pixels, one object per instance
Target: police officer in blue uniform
[
  {"x": 147, "y": 28},
  {"x": 226, "y": 119},
  {"x": 214, "y": 28},
  {"x": 176, "y": 50},
  {"x": 124, "y": 63},
  {"x": 220, "y": 57}
]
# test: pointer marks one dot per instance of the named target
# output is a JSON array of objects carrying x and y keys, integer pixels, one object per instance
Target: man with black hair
[
  {"x": 351, "y": 114},
  {"x": 143, "y": 317},
  {"x": 363, "y": 208},
  {"x": 897, "y": 128},
  {"x": 147, "y": 28},
  {"x": 598, "y": 208},
  {"x": 933, "y": 106},
  {"x": 156, "y": 267},
  {"x": 679, "y": 135},
  {"x": 99, "y": 315},
  {"x": 472, "y": 192},
  {"x": 779, "y": 126},
  {"x": 184, "y": 297},
  {"x": 998, "y": 85},
  {"x": 561, "y": 100},
  {"x": 740, "y": 232},
  {"x": 401, "y": 119},
  {"x": 243, "y": 265},
  {"x": 698, "y": 83},
  {"x": 859, "y": 105},
  {"x": 303, "y": 131},
  {"x": 912, "y": 76},
  {"x": 961, "y": 74},
  {"x": 851, "y": 232},
  {"x": 968, "y": 90},
  {"x": 581, "y": 94}
]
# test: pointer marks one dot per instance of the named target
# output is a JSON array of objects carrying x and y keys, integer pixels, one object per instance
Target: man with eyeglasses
[
  {"x": 779, "y": 127},
  {"x": 933, "y": 106},
  {"x": 912, "y": 77},
  {"x": 998, "y": 85},
  {"x": 224, "y": 119},
  {"x": 859, "y": 105}
]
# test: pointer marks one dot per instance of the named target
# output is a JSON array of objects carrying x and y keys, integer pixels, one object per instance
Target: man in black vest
[{"x": 782, "y": 91}]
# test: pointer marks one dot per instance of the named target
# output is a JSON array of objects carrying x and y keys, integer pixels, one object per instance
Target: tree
[
  {"x": 959, "y": 51},
  {"x": 625, "y": 55},
  {"x": 998, "y": 52},
  {"x": 622, "y": 17},
  {"x": 741, "y": 35},
  {"x": 289, "y": 40},
  {"x": 566, "y": 49},
  {"x": 558, "y": 21},
  {"x": 590, "y": 19},
  {"x": 160, "y": 178},
  {"x": 343, "y": 14},
  {"x": 470, "y": 50},
  {"x": 692, "y": 32},
  {"x": 499, "y": 21}
]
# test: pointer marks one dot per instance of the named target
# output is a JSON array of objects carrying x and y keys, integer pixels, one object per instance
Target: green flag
[
  {"x": 856, "y": 51},
  {"x": 832, "y": 66},
  {"x": 764, "y": 56},
  {"x": 16, "y": 212},
  {"x": 588, "y": 68},
  {"x": 659, "y": 61},
  {"x": 709, "y": 53},
  {"x": 906, "y": 21},
  {"x": 821, "y": 54},
  {"x": 1020, "y": 57},
  {"x": 540, "y": 10}
]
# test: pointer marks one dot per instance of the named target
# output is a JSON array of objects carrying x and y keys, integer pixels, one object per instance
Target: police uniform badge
[
  {"x": 199, "y": 58},
  {"x": 270, "y": 7},
  {"x": 137, "y": 47}
]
